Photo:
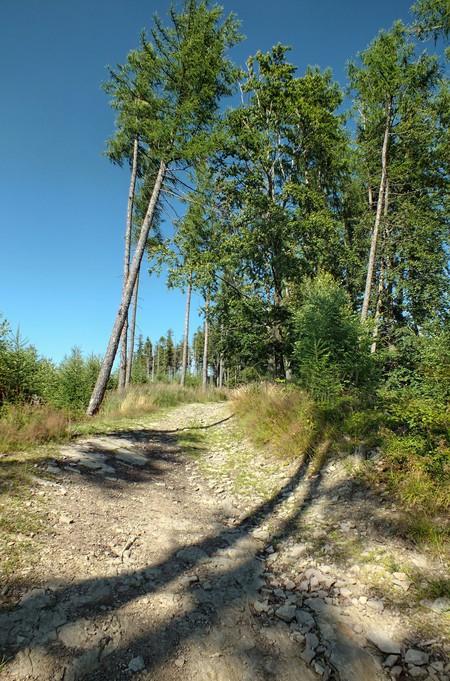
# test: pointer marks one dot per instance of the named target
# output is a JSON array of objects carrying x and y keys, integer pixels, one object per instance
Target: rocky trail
[{"x": 176, "y": 551}]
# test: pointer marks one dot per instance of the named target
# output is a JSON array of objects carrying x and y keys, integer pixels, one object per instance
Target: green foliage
[
  {"x": 75, "y": 381},
  {"x": 22, "y": 372},
  {"x": 432, "y": 18},
  {"x": 331, "y": 347}
]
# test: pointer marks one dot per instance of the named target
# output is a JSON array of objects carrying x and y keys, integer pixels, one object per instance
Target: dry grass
[
  {"x": 22, "y": 426},
  {"x": 146, "y": 399},
  {"x": 280, "y": 417}
]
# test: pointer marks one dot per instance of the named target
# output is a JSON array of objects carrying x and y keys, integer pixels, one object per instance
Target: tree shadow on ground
[{"x": 31, "y": 626}]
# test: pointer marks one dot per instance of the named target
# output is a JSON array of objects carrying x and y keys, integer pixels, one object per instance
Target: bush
[
  {"x": 331, "y": 346},
  {"x": 22, "y": 372}
]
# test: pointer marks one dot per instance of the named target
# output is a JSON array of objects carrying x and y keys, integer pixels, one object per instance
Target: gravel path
[{"x": 155, "y": 569}]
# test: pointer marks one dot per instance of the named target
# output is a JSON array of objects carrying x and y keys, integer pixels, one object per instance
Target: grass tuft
[{"x": 24, "y": 425}]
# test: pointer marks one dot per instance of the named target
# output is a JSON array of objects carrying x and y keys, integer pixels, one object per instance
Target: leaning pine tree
[{"x": 177, "y": 81}]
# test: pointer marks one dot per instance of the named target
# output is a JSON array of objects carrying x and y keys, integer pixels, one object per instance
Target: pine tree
[{"x": 184, "y": 72}]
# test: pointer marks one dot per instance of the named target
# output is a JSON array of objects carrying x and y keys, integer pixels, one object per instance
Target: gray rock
[
  {"x": 439, "y": 605},
  {"x": 305, "y": 620},
  {"x": 396, "y": 671},
  {"x": 311, "y": 643},
  {"x": 352, "y": 662},
  {"x": 286, "y": 613},
  {"x": 375, "y": 604},
  {"x": 131, "y": 458},
  {"x": 137, "y": 664},
  {"x": 260, "y": 606},
  {"x": 438, "y": 665},
  {"x": 384, "y": 643},
  {"x": 74, "y": 634},
  {"x": 416, "y": 657},
  {"x": 390, "y": 661},
  {"x": 417, "y": 672}
]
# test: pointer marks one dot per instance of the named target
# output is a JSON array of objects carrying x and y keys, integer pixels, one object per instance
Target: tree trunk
[
  {"x": 132, "y": 332},
  {"x": 184, "y": 361},
  {"x": 373, "y": 347},
  {"x": 376, "y": 326},
  {"x": 221, "y": 362},
  {"x": 221, "y": 372},
  {"x": 205, "y": 347},
  {"x": 105, "y": 371},
  {"x": 126, "y": 263},
  {"x": 153, "y": 366},
  {"x": 374, "y": 240}
]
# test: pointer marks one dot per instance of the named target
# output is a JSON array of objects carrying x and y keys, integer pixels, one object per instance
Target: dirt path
[{"x": 158, "y": 569}]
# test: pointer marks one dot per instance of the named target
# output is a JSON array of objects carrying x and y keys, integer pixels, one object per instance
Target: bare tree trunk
[
  {"x": 184, "y": 361},
  {"x": 105, "y": 371},
  {"x": 221, "y": 362},
  {"x": 374, "y": 240},
  {"x": 221, "y": 372},
  {"x": 153, "y": 366},
  {"x": 134, "y": 304},
  {"x": 373, "y": 347},
  {"x": 376, "y": 326},
  {"x": 126, "y": 263},
  {"x": 205, "y": 347}
]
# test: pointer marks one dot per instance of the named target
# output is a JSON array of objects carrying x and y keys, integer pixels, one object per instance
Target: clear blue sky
[{"x": 62, "y": 204}]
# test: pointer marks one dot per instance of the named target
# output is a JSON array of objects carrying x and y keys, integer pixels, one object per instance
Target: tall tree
[
  {"x": 123, "y": 369},
  {"x": 185, "y": 72},
  {"x": 283, "y": 161},
  {"x": 401, "y": 138}
]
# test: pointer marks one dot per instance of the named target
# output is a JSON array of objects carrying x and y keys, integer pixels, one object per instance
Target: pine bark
[
  {"x": 105, "y": 371},
  {"x": 126, "y": 262},
  {"x": 132, "y": 332},
  {"x": 184, "y": 361},
  {"x": 205, "y": 347},
  {"x": 376, "y": 227}
]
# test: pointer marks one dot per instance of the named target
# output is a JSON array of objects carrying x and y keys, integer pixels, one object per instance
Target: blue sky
[{"x": 62, "y": 204}]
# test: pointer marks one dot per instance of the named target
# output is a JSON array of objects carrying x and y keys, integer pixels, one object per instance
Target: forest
[{"x": 315, "y": 227}]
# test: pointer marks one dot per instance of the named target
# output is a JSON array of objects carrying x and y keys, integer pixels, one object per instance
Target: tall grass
[
  {"x": 139, "y": 400},
  {"x": 282, "y": 418},
  {"x": 24, "y": 425}
]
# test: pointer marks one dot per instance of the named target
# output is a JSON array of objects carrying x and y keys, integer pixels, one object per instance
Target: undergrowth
[{"x": 405, "y": 440}]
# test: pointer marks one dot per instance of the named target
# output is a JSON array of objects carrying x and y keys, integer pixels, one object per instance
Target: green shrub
[{"x": 331, "y": 346}]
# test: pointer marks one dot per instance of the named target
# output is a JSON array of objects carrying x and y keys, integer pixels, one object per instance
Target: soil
[{"x": 176, "y": 550}]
